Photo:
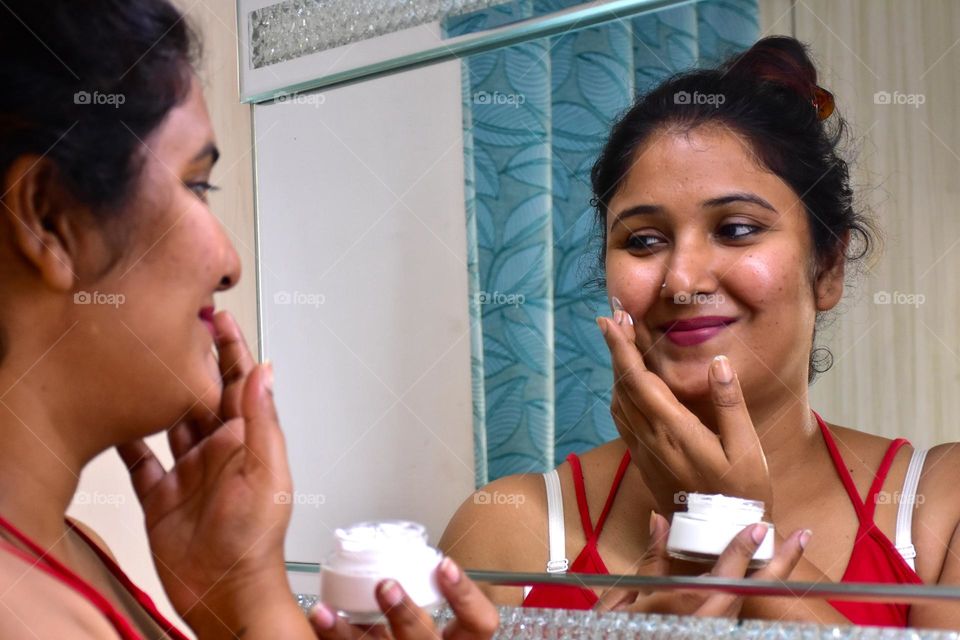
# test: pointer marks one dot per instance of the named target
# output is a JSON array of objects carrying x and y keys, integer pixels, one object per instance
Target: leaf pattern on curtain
[{"x": 535, "y": 117}]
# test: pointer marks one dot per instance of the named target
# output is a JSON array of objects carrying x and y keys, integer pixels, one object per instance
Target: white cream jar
[
  {"x": 369, "y": 552},
  {"x": 703, "y": 531}
]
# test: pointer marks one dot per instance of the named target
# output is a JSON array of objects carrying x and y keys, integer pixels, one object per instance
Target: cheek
[{"x": 635, "y": 282}]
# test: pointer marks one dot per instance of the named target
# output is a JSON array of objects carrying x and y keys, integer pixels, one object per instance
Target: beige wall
[{"x": 896, "y": 366}]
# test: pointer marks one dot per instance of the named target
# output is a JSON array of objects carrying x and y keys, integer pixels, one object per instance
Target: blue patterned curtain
[{"x": 535, "y": 117}]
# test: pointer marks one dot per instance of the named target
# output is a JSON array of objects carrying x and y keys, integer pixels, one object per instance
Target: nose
[
  {"x": 690, "y": 269},
  {"x": 230, "y": 263}
]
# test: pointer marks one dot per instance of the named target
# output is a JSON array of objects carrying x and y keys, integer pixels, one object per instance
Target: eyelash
[
  {"x": 632, "y": 245},
  {"x": 205, "y": 188}
]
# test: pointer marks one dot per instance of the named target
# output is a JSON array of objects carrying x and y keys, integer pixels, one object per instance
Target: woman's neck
[
  {"x": 39, "y": 468},
  {"x": 786, "y": 427}
]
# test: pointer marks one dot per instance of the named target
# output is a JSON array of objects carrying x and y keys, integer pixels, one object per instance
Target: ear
[
  {"x": 829, "y": 284},
  {"x": 35, "y": 205}
]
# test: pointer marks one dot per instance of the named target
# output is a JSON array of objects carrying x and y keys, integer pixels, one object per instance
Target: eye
[
  {"x": 201, "y": 189},
  {"x": 637, "y": 242},
  {"x": 751, "y": 229}
]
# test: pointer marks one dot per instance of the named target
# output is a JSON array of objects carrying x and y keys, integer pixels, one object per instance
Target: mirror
[{"x": 427, "y": 249}]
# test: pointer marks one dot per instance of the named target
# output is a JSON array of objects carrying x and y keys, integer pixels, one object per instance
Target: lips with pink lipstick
[
  {"x": 692, "y": 331},
  {"x": 206, "y": 317}
]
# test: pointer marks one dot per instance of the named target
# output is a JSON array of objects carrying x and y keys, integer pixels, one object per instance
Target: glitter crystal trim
[
  {"x": 528, "y": 624},
  {"x": 295, "y": 28}
]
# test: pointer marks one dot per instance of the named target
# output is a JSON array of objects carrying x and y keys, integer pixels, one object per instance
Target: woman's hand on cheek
[
  {"x": 216, "y": 520},
  {"x": 674, "y": 451}
]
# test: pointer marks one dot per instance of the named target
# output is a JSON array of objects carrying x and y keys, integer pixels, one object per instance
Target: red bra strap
[
  {"x": 139, "y": 595},
  {"x": 624, "y": 465},
  {"x": 881, "y": 475},
  {"x": 841, "y": 468},
  {"x": 52, "y": 566},
  {"x": 581, "y": 494}
]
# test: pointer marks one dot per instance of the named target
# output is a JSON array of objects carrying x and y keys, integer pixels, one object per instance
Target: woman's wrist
[{"x": 249, "y": 606}]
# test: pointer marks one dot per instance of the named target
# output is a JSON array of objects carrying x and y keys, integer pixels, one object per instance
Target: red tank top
[
  {"x": 589, "y": 560},
  {"x": 53, "y": 567},
  {"x": 874, "y": 557}
]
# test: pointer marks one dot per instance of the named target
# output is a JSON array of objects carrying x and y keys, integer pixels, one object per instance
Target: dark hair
[
  {"x": 85, "y": 82},
  {"x": 770, "y": 96}
]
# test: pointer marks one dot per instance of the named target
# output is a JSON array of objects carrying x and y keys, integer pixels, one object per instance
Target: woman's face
[
  {"x": 697, "y": 212},
  {"x": 144, "y": 329}
]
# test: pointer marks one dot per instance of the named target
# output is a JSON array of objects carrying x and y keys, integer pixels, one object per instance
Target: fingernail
[
  {"x": 759, "y": 532},
  {"x": 450, "y": 570},
  {"x": 615, "y": 304},
  {"x": 722, "y": 369},
  {"x": 268, "y": 376},
  {"x": 391, "y": 593},
  {"x": 653, "y": 522},
  {"x": 602, "y": 325},
  {"x": 805, "y": 538},
  {"x": 323, "y": 616}
]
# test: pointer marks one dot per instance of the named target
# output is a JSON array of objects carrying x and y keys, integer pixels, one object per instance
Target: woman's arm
[
  {"x": 501, "y": 527},
  {"x": 936, "y": 536}
]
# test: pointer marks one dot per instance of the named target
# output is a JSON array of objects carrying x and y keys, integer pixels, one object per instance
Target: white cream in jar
[
  {"x": 369, "y": 552},
  {"x": 711, "y": 521}
]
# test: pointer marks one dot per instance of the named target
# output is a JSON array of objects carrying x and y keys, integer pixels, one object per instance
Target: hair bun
[{"x": 784, "y": 61}]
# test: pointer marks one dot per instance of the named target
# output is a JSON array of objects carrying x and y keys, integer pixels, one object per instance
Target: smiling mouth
[{"x": 691, "y": 337}]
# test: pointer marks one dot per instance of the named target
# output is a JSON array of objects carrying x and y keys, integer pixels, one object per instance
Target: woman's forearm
[{"x": 253, "y": 612}]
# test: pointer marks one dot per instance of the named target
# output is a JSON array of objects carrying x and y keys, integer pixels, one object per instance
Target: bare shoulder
[
  {"x": 500, "y": 526},
  {"x": 937, "y": 512},
  {"x": 37, "y": 605}
]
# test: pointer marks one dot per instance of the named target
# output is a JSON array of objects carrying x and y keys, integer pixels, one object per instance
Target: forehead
[
  {"x": 697, "y": 164},
  {"x": 185, "y": 131}
]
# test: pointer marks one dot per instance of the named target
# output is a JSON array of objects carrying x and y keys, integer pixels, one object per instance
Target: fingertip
[
  {"x": 268, "y": 376},
  {"x": 602, "y": 323},
  {"x": 449, "y": 571},
  {"x": 322, "y": 618},
  {"x": 804, "y": 538},
  {"x": 758, "y": 532},
  {"x": 390, "y": 594}
]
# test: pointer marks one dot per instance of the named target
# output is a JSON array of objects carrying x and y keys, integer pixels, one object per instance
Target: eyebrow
[
  {"x": 209, "y": 150},
  {"x": 721, "y": 201}
]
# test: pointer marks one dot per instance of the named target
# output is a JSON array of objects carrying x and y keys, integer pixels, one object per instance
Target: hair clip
[{"x": 822, "y": 102}]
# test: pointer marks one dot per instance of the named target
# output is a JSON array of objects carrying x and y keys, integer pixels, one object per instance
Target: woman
[
  {"x": 109, "y": 262},
  {"x": 727, "y": 216}
]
